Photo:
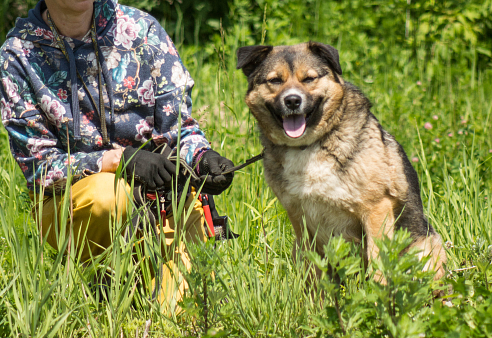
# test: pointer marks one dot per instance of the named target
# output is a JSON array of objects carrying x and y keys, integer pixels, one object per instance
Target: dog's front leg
[
  {"x": 302, "y": 244},
  {"x": 378, "y": 221},
  {"x": 431, "y": 246}
]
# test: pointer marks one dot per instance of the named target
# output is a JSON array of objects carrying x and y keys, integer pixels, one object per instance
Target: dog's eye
[
  {"x": 275, "y": 80},
  {"x": 309, "y": 79}
]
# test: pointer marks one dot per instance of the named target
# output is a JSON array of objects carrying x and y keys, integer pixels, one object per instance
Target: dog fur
[{"x": 345, "y": 174}]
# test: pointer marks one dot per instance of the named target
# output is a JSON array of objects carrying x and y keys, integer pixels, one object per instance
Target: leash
[
  {"x": 245, "y": 164},
  {"x": 216, "y": 225},
  {"x": 159, "y": 201}
]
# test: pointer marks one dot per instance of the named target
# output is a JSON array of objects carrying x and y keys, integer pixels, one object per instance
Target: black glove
[
  {"x": 212, "y": 164},
  {"x": 152, "y": 169}
]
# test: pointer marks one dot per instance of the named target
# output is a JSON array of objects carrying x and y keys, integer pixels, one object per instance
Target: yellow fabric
[
  {"x": 173, "y": 283},
  {"x": 95, "y": 202}
]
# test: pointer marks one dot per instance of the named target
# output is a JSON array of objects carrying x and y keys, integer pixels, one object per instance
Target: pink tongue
[{"x": 294, "y": 125}]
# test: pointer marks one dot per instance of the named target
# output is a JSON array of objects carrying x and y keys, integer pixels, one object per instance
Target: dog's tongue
[{"x": 294, "y": 125}]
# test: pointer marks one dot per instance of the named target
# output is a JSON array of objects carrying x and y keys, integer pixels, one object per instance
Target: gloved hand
[
  {"x": 212, "y": 164},
  {"x": 152, "y": 169}
]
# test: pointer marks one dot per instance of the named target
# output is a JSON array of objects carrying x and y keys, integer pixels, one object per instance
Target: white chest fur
[{"x": 309, "y": 181}]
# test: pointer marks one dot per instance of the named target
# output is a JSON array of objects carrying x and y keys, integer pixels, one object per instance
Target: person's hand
[
  {"x": 210, "y": 166},
  {"x": 152, "y": 169},
  {"x": 111, "y": 160}
]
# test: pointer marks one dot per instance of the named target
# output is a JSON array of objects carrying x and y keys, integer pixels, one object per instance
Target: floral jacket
[{"x": 150, "y": 88}]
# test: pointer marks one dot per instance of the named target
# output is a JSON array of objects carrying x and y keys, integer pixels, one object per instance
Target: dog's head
[{"x": 292, "y": 90}]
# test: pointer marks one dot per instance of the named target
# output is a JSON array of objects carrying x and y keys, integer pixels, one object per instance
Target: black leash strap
[{"x": 245, "y": 164}]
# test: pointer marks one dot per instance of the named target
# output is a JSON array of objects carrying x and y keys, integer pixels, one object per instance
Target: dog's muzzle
[{"x": 293, "y": 117}]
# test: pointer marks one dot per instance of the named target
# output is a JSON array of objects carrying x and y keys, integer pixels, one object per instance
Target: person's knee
[{"x": 107, "y": 196}]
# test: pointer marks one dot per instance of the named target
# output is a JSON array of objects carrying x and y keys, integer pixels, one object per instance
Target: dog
[{"x": 326, "y": 156}]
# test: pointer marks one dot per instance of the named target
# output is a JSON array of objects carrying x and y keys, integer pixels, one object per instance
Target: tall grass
[{"x": 252, "y": 286}]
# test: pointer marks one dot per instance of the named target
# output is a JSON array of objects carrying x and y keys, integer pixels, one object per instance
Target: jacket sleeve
[
  {"x": 173, "y": 86},
  {"x": 35, "y": 141}
]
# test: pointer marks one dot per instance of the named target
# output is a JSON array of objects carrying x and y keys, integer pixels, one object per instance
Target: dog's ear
[
  {"x": 250, "y": 57},
  {"x": 327, "y": 53}
]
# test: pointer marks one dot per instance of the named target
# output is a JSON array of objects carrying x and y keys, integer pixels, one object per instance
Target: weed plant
[{"x": 429, "y": 88}]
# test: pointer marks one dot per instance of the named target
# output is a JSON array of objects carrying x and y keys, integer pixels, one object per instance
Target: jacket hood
[{"x": 33, "y": 28}]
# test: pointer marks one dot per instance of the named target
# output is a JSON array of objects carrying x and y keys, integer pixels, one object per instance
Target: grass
[{"x": 257, "y": 289}]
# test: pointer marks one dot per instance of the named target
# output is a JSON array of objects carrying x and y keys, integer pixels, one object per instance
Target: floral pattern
[
  {"x": 62, "y": 94},
  {"x": 36, "y": 144},
  {"x": 144, "y": 129},
  {"x": 126, "y": 31},
  {"x": 179, "y": 77},
  {"x": 150, "y": 87},
  {"x": 6, "y": 111},
  {"x": 129, "y": 82},
  {"x": 11, "y": 89},
  {"x": 112, "y": 57},
  {"x": 54, "y": 176},
  {"x": 171, "y": 50},
  {"x": 53, "y": 109},
  {"x": 146, "y": 93}
]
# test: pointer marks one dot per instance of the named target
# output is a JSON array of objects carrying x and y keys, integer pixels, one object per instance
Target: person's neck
[{"x": 71, "y": 24}]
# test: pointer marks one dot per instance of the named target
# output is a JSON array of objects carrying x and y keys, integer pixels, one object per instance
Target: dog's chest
[
  {"x": 308, "y": 180},
  {"x": 311, "y": 174}
]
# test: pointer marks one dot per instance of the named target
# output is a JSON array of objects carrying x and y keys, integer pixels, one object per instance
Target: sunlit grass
[{"x": 251, "y": 286}]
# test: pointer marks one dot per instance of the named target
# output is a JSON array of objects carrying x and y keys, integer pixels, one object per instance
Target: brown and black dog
[{"x": 326, "y": 156}]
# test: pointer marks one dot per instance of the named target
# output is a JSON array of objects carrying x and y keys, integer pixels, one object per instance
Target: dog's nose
[{"x": 292, "y": 101}]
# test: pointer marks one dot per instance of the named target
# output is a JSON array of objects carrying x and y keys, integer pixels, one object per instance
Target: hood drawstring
[
  {"x": 74, "y": 90},
  {"x": 109, "y": 87}
]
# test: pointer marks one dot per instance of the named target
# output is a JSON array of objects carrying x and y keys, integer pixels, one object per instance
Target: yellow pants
[{"x": 95, "y": 202}]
